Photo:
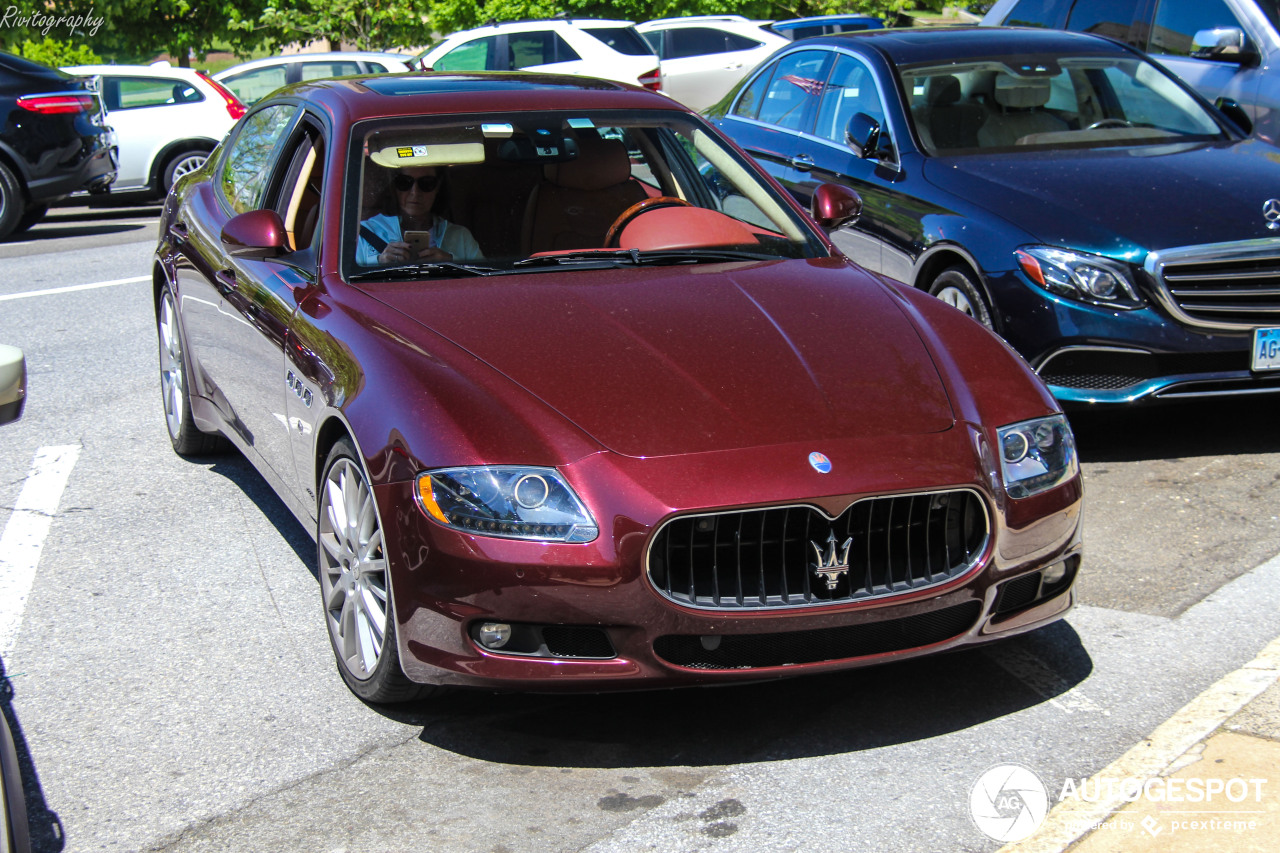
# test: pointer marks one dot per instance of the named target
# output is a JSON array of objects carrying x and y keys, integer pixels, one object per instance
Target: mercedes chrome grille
[
  {"x": 1220, "y": 286},
  {"x": 796, "y": 556}
]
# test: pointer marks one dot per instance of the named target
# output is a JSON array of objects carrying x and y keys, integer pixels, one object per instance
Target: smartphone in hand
[{"x": 419, "y": 241}]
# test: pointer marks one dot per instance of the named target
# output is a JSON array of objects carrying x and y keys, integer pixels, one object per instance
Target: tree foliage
[
  {"x": 360, "y": 24},
  {"x": 56, "y": 53}
]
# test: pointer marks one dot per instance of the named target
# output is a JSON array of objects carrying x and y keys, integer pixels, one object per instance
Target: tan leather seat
[{"x": 576, "y": 201}]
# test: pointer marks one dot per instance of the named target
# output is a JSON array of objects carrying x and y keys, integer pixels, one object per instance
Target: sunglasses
[{"x": 426, "y": 183}]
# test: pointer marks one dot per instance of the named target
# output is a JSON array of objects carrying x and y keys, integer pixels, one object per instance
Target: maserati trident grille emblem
[
  {"x": 1271, "y": 213},
  {"x": 832, "y": 563}
]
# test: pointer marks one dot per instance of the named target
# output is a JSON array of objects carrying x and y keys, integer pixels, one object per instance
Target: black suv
[{"x": 53, "y": 141}]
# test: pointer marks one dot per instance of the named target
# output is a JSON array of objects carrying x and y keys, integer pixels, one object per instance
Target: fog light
[
  {"x": 1054, "y": 574},
  {"x": 494, "y": 635}
]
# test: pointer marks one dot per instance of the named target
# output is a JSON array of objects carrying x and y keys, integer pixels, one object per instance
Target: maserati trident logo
[
  {"x": 1271, "y": 213},
  {"x": 820, "y": 462},
  {"x": 832, "y": 563}
]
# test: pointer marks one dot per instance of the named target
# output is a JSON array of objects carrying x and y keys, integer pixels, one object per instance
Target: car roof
[
  {"x": 693, "y": 21},
  {"x": 134, "y": 70},
  {"x": 384, "y": 95},
  {"x": 316, "y": 57},
  {"x": 908, "y": 46}
]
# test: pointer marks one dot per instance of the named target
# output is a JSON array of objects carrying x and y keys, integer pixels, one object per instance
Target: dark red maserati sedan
[{"x": 573, "y": 396}]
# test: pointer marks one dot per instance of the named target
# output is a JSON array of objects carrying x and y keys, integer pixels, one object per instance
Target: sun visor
[{"x": 397, "y": 155}]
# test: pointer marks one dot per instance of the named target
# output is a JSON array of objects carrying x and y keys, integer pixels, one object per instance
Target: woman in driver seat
[{"x": 406, "y": 228}]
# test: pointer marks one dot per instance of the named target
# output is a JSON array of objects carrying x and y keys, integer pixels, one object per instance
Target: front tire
[
  {"x": 957, "y": 287},
  {"x": 184, "y": 435},
  {"x": 355, "y": 585}
]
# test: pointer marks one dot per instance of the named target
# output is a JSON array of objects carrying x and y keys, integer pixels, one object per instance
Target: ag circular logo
[
  {"x": 1008, "y": 802},
  {"x": 1271, "y": 213}
]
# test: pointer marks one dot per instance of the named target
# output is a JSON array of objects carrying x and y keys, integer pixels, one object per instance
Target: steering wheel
[
  {"x": 624, "y": 218},
  {"x": 1109, "y": 122}
]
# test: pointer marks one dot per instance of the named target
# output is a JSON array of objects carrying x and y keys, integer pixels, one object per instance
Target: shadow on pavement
[
  {"x": 774, "y": 721},
  {"x": 43, "y": 825},
  {"x": 1223, "y": 426}
]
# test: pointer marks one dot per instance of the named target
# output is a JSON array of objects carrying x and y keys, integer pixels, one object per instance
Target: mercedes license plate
[{"x": 1266, "y": 349}]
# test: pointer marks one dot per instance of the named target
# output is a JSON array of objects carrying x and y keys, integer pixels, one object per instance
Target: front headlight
[
  {"x": 510, "y": 502},
  {"x": 1037, "y": 455},
  {"x": 1088, "y": 278}
]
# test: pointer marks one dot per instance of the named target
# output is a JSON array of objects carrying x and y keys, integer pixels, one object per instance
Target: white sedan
[{"x": 166, "y": 120}]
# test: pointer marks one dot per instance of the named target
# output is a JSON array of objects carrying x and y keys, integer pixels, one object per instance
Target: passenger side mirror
[
  {"x": 13, "y": 383},
  {"x": 1235, "y": 114},
  {"x": 835, "y": 205},
  {"x": 1224, "y": 44},
  {"x": 868, "y": 139},
  {"x": 254, "y": 234}
]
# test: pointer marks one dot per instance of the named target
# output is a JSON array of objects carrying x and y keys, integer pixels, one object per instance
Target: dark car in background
[
  {"x": 1227, "y": 49},
  {"x": 636, "y": 423},
  {"x": 1082, "y": 201},
  {"x": 53, "y": 141}
]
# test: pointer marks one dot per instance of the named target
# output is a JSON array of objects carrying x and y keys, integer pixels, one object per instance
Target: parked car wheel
[
  {"x": 182, "y": 163},
  {"x": 354, "y": 583},
  {"x": 186, "y": 437},
  {"x": 11, "y": 202},
  {"x": 956, "y": 287}
]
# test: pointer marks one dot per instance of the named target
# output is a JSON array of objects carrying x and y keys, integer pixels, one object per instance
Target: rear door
[{"x": 1175, "y": 26}]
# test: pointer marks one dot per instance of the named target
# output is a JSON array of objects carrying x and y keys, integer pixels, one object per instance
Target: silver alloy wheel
[
  {"x": 172, "y": 387},
  {"x": 353, "y": 569},
  {"x": 186, "y": 164},
  {"x": 957, "y": 298}
]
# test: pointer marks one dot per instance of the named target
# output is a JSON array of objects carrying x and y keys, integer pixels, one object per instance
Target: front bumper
[{"x": 610, "y": 629}]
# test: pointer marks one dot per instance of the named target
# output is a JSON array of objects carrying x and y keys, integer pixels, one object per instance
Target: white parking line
[
  {"x": 25, "y": 532},
  {"x": 70, "y": 288}
]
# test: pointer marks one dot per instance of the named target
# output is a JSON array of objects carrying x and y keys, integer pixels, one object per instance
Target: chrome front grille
[
  {"x": 1221, "y": 286},
  {"x": 796, "y": 556}
]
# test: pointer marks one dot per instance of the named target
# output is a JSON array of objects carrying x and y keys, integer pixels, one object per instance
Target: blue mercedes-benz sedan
[{"x": 1115, "y": 228}]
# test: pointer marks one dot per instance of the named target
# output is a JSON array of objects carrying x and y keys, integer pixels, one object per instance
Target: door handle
[
  {"x": 226, "y": 281},
  {"x": 803, "y": 162}
]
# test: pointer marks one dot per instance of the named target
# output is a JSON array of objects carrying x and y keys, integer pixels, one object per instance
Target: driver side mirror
[
  {"x": 1224, "y": 44},
  {"x": 256, "y": 234},
  {"x": 13, "y": 383},
  {"x": 835, "y": 205},
  {"x": 868, "y": 139}
]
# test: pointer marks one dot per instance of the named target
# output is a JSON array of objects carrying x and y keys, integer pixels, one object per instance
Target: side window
[
  {"x": 748, "y": 105},
  {"x": 1113, "y": 18},
  {"x": 538, "y": 48},
  {"x": 249, "y": 162},
  {"x": 253, "y": 86},
  {"x": 299, "y": 200},
  {"x": 135, "y": 92},
  {"x": 794, "y": 91},
  {"x": 655, "y": 41},
  {"x": 1034, "y": 13},
  {"x": 320, "y": 70},
  {"x": 702, "y": 41},
  {"x": 849, "y": 90},
  {"x": 1177, "y": 22},
  {"x": 476, "y": 55}
]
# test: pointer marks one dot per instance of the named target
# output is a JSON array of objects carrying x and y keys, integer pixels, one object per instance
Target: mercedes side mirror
[
  {"x": 1224, "y": 44},
  {"x": 868, "y": 139}
]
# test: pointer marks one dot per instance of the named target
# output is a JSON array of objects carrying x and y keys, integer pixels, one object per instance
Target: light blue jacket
[{"x": 454, "y": 239}]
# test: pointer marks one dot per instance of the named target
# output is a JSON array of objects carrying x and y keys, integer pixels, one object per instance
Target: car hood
[
  {"x": 1123, "y": 202},
  {"x": 658, "y": 361}
]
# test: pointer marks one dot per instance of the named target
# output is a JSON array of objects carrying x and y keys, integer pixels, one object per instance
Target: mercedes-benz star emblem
[
  {"x": 1271, "y": 213},
  {"x": 820, "y": 462}
]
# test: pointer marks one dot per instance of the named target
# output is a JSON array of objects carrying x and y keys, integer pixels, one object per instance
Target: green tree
[
  {"x": 360, "y": 24},
  {"x": 56, "y": 53}
]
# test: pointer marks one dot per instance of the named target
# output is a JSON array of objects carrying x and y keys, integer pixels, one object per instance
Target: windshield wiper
[
  {"x": 436, "y": 269},
  {"x": 634, "y": 257}
]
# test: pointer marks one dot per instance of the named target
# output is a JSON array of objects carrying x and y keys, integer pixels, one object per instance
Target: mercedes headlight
[
  {"x": 1037, "y": 455},
  {"x": 1075, "y": 275},
  {"x": 509, "y": 502}
]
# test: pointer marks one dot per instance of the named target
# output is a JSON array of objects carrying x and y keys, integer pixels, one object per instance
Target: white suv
[
  {"x": 166, "y": 120},
  {"x": 586, "y": 47},
  {"x": 704, "y": 56}
]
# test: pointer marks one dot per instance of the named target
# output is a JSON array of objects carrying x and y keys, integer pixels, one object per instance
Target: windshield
[
  {"x": 446, "y": 196},
  {"x": 1051, "y": 102}
]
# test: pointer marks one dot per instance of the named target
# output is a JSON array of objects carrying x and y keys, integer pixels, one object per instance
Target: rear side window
[
  {"x": 701, "y": 41},
  {"x": 1035, "y": 13},
  {"x": 249, "y": 162},
  {"x": 624, "y": 40},
  {"x": 538, "y": 48},
  {"x": 130, "y": 93},
  {"x": 253, "y": 86},
  {"x": 1113, "y": 18},
  {"x": 793, "y": 93},
  {"x": 320, "y": 70}
]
